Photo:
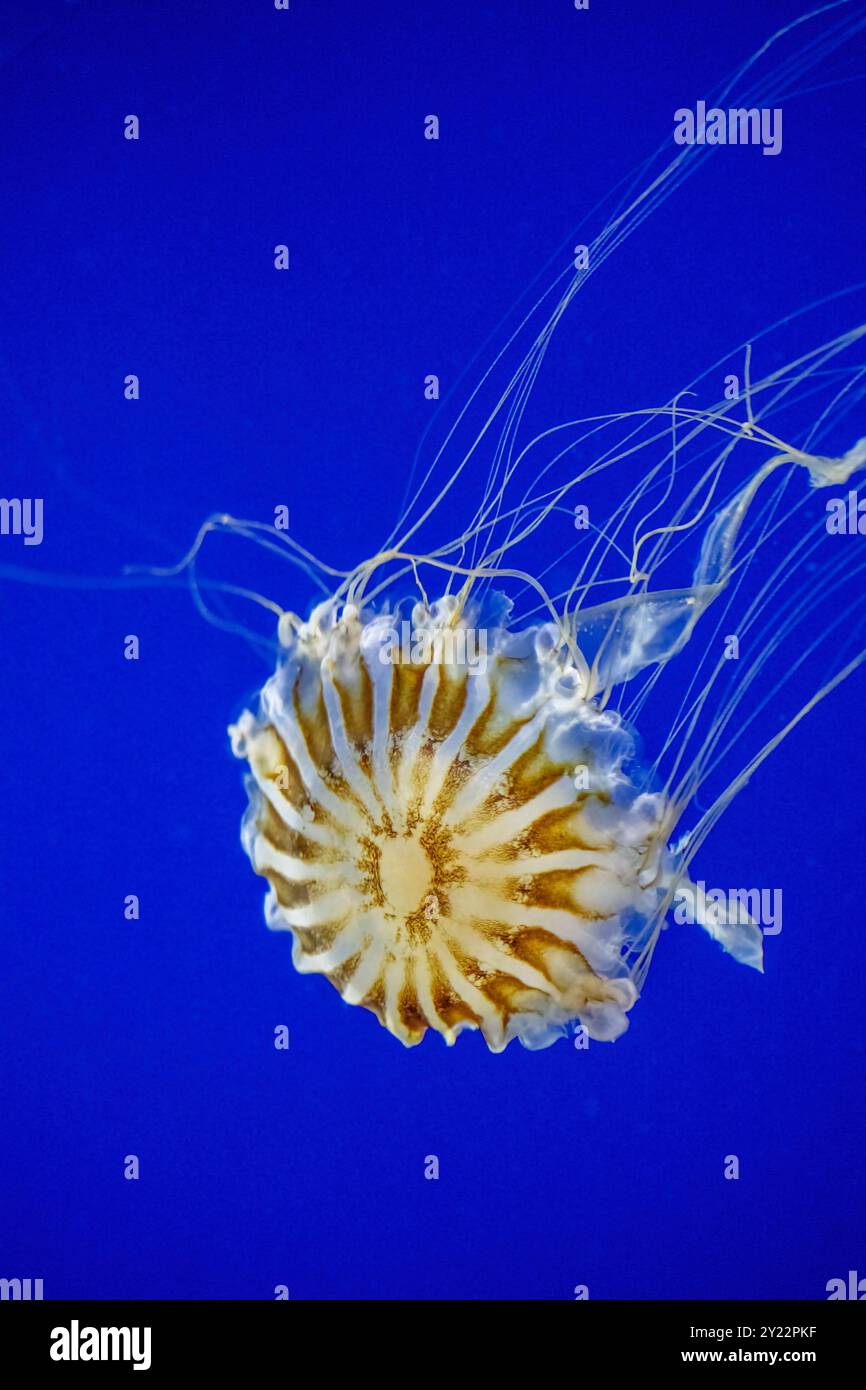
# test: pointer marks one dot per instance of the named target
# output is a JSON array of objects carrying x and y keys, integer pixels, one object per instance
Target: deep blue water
[{"x": 306, "y": 1168}]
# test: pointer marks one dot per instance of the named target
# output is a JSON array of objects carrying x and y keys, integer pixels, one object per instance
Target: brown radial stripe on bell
[
  {"x": 356, "y": 706},
  {"x": 315, "y": 728},
  {"x": 448, "y": 1005},
  {"x": 270, "y": 757},
  {"x": 557, "y": 889},
  {"x": 340, "y": 977},
  {"x": 374, "y": 999},
  {"x": 532, "y": 773},
  {"x": 290, "y": 893},
  {"x": 559, "y": 829},
  {"x": 488, "y": 736},
  {"x": 409, "y": 1008},
  {"x": 532, "y": 945},
  {"x": 459, "y": 772},
  {"x": 508, "y": 995},
  {"x": 449, "y": 703},
  {"x": 314, "y": 940},
  {"x": 405, "y": 697},
  {"x": 286, "y": 840}
]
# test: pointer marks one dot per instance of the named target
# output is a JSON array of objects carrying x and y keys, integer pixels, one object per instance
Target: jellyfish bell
[{"x": 423, "y": 840}]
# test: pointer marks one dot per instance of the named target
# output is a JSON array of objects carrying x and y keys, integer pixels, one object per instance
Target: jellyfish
[
  {"x": 472, "y": 843},
  {"x": 458, "y": 820}
]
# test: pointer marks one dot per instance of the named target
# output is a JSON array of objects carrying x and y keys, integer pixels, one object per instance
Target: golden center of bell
[{"x": 405, "y": 874}]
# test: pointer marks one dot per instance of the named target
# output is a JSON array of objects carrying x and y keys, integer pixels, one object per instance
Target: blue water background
[{"x": 306, "y": 1168}]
